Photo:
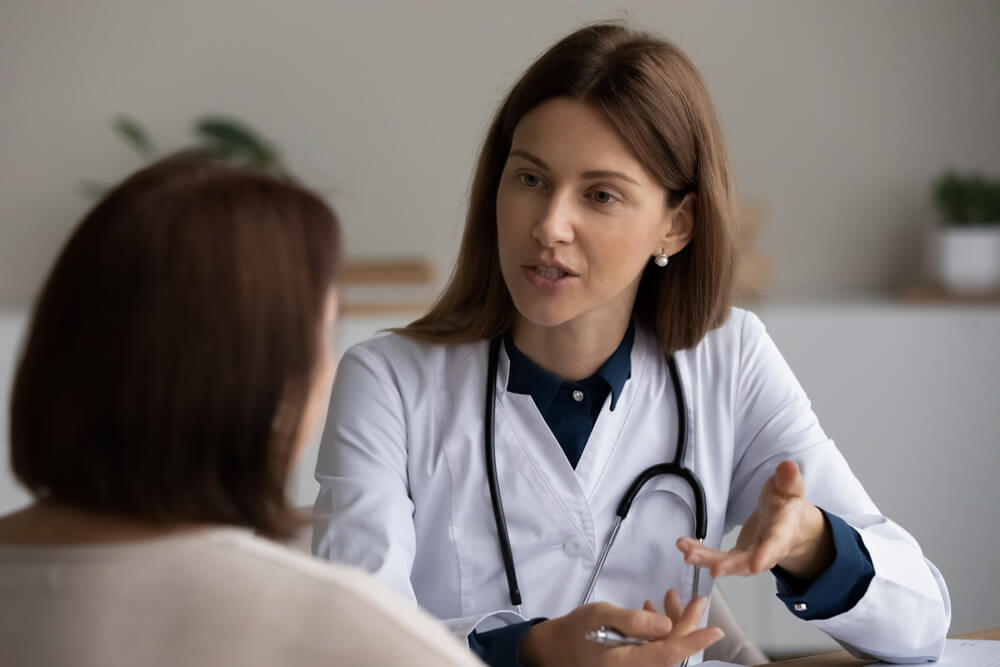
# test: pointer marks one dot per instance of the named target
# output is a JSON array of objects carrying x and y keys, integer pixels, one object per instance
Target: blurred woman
[{"x": 176, "y": 361}]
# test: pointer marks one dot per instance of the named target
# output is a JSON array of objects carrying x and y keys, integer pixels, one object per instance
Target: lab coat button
[{"x": 573, "y": 546}]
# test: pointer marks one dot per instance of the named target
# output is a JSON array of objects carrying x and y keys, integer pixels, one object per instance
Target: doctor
[{"x": 598, "y": 251}]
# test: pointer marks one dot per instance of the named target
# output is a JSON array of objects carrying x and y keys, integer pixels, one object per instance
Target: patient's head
[{"x": 177, "y": 355}]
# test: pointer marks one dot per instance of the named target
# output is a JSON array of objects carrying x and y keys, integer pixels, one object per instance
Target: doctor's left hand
[
  {"x": 673, "y": 636},
  {"x": 785, "y": 529}
]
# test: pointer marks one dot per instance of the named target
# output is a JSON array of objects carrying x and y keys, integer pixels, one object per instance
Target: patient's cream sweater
[{"x": 215, "y": 597}]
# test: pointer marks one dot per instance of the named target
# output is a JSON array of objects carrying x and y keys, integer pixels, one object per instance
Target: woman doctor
[{"x": 598, "y": 247}]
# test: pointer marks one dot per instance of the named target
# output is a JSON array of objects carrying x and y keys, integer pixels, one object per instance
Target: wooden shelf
[
  {"x": 386, "y": 287},
  {"x": 936, "y": 294},
  {"x": 360, "y": 308},
  {"x": 408, "y": 271}
]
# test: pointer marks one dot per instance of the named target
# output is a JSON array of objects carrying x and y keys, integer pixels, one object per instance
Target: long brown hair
[
  {"x": 183, "y": 314},
  {"x": 658, "y": 103}
]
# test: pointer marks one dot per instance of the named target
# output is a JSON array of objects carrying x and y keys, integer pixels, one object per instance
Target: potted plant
[
  {"x": 228, "y": 139},
  {"x": 969, "y": 239}
]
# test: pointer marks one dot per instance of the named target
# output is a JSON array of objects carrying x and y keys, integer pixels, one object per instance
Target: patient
[{"x": 175, "y": 363}]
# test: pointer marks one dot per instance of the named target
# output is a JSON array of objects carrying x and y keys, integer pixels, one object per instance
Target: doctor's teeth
[{"x": 549, "y": 272}]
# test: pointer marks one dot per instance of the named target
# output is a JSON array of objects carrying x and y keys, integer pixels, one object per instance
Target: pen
[{"x": 611, "y": 637}]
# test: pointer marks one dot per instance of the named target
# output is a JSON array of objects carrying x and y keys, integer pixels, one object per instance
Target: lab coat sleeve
[
  {"x": 363, "y": 514},
  {"x": 905, "y": 613}
]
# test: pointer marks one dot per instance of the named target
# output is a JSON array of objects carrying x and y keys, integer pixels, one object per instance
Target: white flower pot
[{"x": 969, "y": 257}]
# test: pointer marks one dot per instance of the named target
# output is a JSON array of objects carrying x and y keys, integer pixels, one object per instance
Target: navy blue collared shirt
[{"x": 571, "y": 408}]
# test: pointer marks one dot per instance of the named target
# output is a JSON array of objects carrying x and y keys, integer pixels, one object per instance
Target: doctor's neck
[{"x": 573, "y": 350}]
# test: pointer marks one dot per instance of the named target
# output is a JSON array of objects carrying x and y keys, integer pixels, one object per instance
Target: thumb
[{"x": 788, "y": 480}]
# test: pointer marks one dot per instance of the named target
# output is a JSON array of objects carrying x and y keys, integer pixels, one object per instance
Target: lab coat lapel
[
  {"x": 606, "y": 437},
  {"x": 549, "y": 476}
]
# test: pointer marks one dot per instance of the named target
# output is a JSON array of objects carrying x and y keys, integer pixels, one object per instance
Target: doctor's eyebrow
[{"x": 597, "y": 173}]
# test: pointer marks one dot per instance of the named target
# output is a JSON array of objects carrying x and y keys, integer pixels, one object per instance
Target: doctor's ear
[{"x": 679, "y": 225}]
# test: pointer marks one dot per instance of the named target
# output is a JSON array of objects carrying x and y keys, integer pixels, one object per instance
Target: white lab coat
[{"x": 403, "y": 490}]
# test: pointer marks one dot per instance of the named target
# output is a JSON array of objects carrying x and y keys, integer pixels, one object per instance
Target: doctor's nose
[{"x": 556, "y": 225}]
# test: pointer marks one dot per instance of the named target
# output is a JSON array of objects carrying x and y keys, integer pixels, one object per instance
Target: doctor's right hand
[{"x": 672, "y": 636}]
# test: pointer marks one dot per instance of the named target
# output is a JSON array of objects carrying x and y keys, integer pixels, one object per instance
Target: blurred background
[{"x": 842, "y": 118}]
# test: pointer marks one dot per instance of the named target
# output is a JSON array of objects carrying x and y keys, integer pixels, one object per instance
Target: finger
[
  {"x": 719, "y": 563},
  {"x": 672, "y": 605},
  {"x": 648, "y": 605},
  {"x": 641, "y": 623},
  {"x": 768, "y": 554},
  {"x": 788, "y": 479},
  {"x": 696, "y": 553},
  {"x": 673, "y": 650},
  {"x": 735, "y": 563},
  {"x": 691, "y": 618},
  {"x": 669, "y": 651}
]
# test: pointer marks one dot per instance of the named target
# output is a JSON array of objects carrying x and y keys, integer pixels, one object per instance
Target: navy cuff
[
  {"x": 501, "y": 647},
  {"x": 839, "y": 587}
]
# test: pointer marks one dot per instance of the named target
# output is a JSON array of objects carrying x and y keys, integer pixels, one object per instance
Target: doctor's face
[{"x": 578, "y": 218}]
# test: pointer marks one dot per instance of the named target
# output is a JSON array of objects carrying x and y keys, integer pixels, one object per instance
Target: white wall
[{"x": 838, "y": 114}]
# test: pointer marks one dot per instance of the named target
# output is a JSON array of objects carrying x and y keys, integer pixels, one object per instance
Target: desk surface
[{"x": 845, "y": 659}]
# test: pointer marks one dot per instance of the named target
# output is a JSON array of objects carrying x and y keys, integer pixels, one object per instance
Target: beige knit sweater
[{"x": 214, "y": 597}]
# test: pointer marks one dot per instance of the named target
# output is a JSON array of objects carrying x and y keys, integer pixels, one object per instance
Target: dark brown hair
[
  {"x": 658, "y": 103},
  {"x": 183, "y": 313}
]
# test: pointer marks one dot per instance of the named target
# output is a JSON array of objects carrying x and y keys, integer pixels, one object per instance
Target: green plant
[
  {"x": 967, "y": 199},
  {"x": 227, "y": 138}
]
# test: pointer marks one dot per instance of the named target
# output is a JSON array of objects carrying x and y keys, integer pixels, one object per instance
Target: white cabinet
[{"x": 911, "y": 395}]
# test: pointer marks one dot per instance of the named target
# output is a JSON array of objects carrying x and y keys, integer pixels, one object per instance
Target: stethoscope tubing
[
  {"x": 675, "y": 467},
  {"x": 491, "y": 475}
]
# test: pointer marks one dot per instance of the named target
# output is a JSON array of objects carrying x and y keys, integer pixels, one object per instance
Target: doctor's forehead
[{"x": 569, "y": 138}]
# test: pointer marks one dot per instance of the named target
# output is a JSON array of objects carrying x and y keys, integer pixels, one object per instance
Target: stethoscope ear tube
[
  {"x": 491, "y": 475},
  {"x": 700, "y": 518}
]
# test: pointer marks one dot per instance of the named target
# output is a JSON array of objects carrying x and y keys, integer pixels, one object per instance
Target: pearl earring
[{"x": 662, "y": 259}]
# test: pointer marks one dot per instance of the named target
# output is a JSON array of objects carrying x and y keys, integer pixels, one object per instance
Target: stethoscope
[{"x": 675, "y": 467}]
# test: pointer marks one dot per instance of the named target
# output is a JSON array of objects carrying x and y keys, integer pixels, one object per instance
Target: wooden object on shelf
[
  {"x": 753, "y": 269},
  {"x": 937, "y": 294},
  {"x": 369, "y": 308},
  {"x": 386, "y": 286},
  {"x": 382, "y": 271}
]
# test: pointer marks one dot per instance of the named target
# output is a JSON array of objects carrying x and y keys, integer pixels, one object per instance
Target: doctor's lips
[{"x": 547, "y": 274}]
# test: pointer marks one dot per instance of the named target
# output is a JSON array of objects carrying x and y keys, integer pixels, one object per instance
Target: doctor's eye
[
  {"x": 603, "y": 197},
  {"x": 529, "y": 180}
]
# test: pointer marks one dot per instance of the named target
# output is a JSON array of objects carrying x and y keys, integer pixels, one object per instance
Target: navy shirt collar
[{"x": 527, "y": 377}]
